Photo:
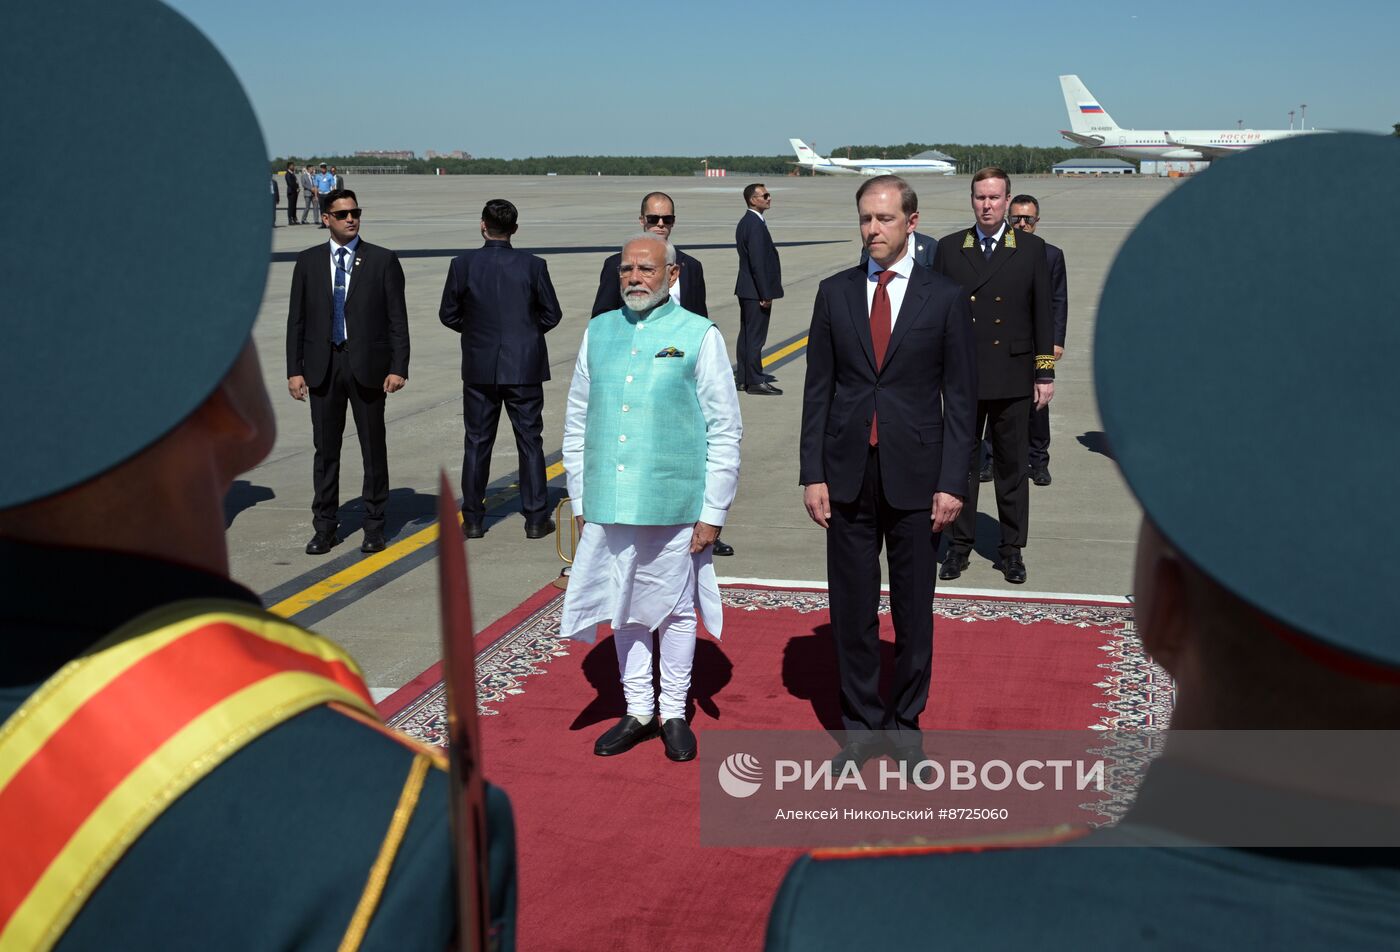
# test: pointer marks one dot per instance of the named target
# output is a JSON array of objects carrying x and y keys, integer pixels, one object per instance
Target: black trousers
[
  {"x": 1040, "y": 437},
  {"x": 481, "y": 413},
  {"x": 853, "y": 542},
  {"x": 328, "y": 403},
  {"x": 1007, "y": 423},
  {"x": 292, "y": 208},
  {"x": 753, "y": 336}
]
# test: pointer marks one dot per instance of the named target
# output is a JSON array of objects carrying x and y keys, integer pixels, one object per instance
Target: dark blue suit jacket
[
  {"x": 760, "y": 272},
  {"x": 925, "y": 251},
  {"x": 502, "y": 303},
  {"x": 925, "y": 391},
  {"x": 1059, "y": 291},
  {"x": 692, "y": 279}
]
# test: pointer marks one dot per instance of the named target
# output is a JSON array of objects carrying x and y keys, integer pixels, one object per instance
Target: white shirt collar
[
  {"x": 350, "y": 247},
  {"x": 759, "y": 214},
  {"x": 903, "y": 267},
  {"x": 996, "y": 237}
]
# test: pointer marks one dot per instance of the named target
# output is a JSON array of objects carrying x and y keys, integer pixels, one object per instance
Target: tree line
[{"x": 1017, "y": 159}]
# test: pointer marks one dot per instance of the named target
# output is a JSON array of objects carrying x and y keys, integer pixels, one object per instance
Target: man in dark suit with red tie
[
  {"x": 1006, "y": 279},
  {"x": 347, "y": 343},
  {"x": 759, "y": 284},
  {"x": 887, "y": 416},
  {"x": 502, "y": 303}
]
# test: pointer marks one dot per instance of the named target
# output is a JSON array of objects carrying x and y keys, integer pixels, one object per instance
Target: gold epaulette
[
  {"x": 1044, "y": 361},
  {"x": 1049, "y": 836}
]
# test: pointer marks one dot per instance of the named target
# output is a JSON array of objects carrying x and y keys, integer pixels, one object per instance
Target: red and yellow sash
[{"x": 105, "y": 745}]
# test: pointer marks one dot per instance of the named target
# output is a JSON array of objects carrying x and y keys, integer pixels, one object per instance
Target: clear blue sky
[{"x": 729, "y": 77}]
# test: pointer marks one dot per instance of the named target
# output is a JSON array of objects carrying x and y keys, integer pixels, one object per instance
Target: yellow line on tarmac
[{"x": 367, "y": 566}]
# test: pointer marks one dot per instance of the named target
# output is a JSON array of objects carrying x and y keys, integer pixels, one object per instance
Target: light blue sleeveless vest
[{"x": 644, "y": 464}]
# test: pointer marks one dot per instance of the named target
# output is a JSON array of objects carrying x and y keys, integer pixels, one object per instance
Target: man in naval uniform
[
  {"x": 179, "y": 769},
  {"x": 651, "y": 449},
  {"x": 1223, "y": 848}
]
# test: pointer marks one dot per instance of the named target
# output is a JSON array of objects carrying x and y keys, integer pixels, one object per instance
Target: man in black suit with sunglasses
[{"x": 347, "y": 343}]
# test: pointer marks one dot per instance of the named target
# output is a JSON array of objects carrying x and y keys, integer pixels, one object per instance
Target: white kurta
[{"x": 642, "y": 574}]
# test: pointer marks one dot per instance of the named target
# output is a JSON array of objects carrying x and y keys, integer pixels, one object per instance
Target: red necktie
[{"x": 880, "y": 333}]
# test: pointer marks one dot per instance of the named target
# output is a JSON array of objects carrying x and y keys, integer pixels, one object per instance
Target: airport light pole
[
  {"x": 1290, "y": 119},
  {"x": 1304, "y": 121}
]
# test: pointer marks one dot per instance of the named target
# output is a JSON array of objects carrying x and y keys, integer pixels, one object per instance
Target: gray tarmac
[{"x": 1082, "y": 527}]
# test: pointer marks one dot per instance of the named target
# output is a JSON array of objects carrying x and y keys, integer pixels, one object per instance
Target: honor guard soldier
[
  {"x": 1220, "y": 603},
  {"x": 178, "y": 767}
]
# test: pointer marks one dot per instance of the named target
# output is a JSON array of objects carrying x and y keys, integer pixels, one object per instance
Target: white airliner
[
  {"x": 810, "y": 160},
  {"x": 1093, "y": 128}
]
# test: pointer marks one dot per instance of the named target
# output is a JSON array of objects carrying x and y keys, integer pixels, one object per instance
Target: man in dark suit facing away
[
  {"x": 887, "y": 414},
  {"x": 658, "y": 216},
  {"x": 347, "y": 343},
  {"x": 759, "y": 284},
  {"x": 1006, "y": 279},
  {"x": 502, "y": 303}
]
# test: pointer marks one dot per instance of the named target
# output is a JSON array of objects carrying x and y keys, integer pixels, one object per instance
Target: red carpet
[{"x": 608, "y": 848}]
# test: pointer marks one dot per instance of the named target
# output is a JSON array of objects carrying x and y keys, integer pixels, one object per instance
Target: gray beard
[{"x": 652, "y": 299}]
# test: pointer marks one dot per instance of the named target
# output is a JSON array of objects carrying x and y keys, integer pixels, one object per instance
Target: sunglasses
[
  {"x": 1017, "y": 219},
  {"x": 660, "y": 219},
  {"x": 344, "y": 213}
]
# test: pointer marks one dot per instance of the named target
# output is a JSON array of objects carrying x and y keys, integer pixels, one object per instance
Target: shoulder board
[{"x": 435, "y": 754}]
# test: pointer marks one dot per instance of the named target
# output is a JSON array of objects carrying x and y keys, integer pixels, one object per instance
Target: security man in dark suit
[
  {"x": 179, "y": 769},
  {"x": 658, "y": 216},
  {"x": 1025, "y": 215},
  {"x": 1217, "y": 853},
  {"x": 347, "y": 344},
  {"x": 502, "y": 303},
  {"x": 1007, "y": 282},
  {"x": 290, "y": 178},
  {"x": 759, "y": 284},
  {"x": 887, "y": 413}
]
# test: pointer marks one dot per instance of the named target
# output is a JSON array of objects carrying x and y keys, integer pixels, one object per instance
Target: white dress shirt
[
  {"x": 350, "y": 248},
  {"x": 897, "y": 286},
  {"x": 996, "y": 236}
]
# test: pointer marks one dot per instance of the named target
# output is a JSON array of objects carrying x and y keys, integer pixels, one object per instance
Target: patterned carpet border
[{"x": 1137, "y": 694}]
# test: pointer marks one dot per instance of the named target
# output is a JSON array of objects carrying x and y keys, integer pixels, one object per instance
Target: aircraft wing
[{"x": 1089, "y": 142}]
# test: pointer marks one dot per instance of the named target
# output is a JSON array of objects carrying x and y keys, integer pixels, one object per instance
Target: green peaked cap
[{"x": 122, "y": 309}]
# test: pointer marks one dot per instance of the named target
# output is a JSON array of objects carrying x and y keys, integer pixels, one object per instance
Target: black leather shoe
[
  {"x": 321, "y": 543},
  {"x": 678, "y": 739},
  {"x": 953, "y": 566},
  {"x": 856, "y": 752},
  {"x": 374, "y": 541},
  {"x": 624, "y": 735},
  {"x": 909, "y": 758},
  {"x": 763, "y": 390},
  {"x": 723, "y": 548},
  {"x": 1014, "y": 568},
  {"x": 472, "y": 528},
  {"x": 769, "y": 378},
  {"x": 985, "y": 475},
  {"x": 1041, "y": 476},
  {"x": 538, "y": 530}
]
